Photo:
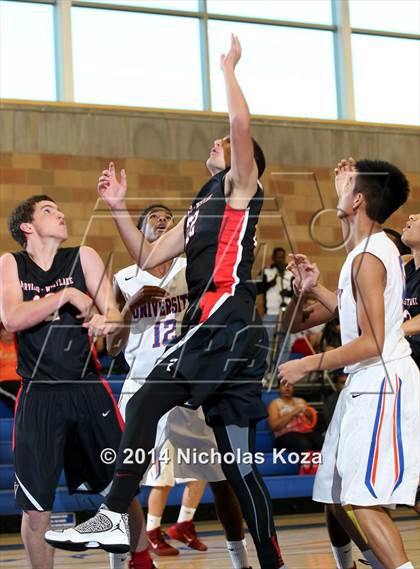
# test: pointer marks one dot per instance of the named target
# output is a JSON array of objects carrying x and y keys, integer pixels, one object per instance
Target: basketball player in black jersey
[
  {"x": 65, "y": 413},
  {"x": 411, "y": 326},
  {"x": 219, "y": 360}
]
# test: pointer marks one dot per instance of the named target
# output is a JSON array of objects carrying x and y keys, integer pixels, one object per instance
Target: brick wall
[{"x": 294, "y": 193}]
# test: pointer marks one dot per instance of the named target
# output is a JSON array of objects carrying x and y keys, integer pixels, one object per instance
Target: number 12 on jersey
[{"x": 164, "y": 332}]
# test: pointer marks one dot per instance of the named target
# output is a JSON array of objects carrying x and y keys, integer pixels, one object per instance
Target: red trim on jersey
[
  {"x": 378, "y": 436},
  {"x": 117, "y": 411},
  {"x": 226, "y": 263},
  {"x": 94, "y": 353},
  {"x": 14, "y": 417}
]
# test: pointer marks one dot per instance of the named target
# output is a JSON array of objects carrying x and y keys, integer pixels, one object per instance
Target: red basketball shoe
[
  {"x": 159, "y": 545},
  {"x": 185, "y": 532}
]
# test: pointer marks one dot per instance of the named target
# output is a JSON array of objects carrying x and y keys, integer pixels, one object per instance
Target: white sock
[
  {"x": 185, "y": 514},
  {"x": 407, "y": 565},
  {"x": 153, "y": 522},
  {"x": 372, "y": 559},
  {"x": 238, "y": 553},
  {"x": 343, "y": 556},
  {"x": 117, "y": 560}
]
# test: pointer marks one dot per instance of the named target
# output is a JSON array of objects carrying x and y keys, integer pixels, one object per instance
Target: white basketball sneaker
[{"x": 106, "y": 530}]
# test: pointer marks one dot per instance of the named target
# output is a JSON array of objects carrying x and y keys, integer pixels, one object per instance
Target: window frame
[{"x": 340, "y": 27}]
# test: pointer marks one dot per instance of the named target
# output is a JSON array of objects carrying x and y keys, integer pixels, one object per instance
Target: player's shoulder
[
  {"x": 377, "y": 245},
  {"x": 127, "y": 273},
  {"x": 9, "y": 260}
]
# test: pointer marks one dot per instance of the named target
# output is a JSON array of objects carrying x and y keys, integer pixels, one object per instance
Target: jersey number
[
  {"x": 190, "y": 228},
  {"x": 162, "y": 337}
]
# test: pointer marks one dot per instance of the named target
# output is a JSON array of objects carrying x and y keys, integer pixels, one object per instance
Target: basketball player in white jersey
[
  {"x": 153, "y": 303},
  {"x": 371, "y": 452}
]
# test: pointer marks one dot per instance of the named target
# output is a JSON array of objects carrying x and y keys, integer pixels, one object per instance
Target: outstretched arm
[
  {"x": 243, "y": 174},
  {"x": 145, "y": 254}
]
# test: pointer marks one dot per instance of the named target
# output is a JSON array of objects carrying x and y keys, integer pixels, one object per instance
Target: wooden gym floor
[{"x": 303, "y": 540}]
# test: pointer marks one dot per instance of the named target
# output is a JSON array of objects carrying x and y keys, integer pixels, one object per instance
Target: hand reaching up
[
  {"x": 345, "y": 173},
  {"x": 228, "y": 62},
  {"x": 306, "y": 273},
  {"x": 111, "y": 190}
]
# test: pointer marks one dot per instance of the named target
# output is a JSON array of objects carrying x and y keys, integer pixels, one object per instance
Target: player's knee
[{"x": 36, "y": 521}]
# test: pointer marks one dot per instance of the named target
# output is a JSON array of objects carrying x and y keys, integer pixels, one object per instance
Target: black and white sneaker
[{"x": 106, "y": 530}]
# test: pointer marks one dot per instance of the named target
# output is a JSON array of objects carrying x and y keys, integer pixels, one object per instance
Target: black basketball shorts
[
  {"x": 222, "y": 362},
  {"x": 64, "y": 426}
]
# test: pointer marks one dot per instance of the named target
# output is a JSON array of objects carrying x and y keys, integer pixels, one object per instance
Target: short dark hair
[
  {"x": 23, "y": 213},
  {"x": 259, "y": 157},
  {"x": 402, "y": 248},
  {"x": 276, "y": 249},
  {"x": 384, "y": 186},
  {"x": 143, "y": 216},
  {"x": 336, "y": 374}
]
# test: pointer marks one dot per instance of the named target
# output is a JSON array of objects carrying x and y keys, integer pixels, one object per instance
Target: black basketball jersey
[
  {"x": 219, "y": 244},
  {"x": 59, "y": 349},
  {"x": 412, "y": 304}
]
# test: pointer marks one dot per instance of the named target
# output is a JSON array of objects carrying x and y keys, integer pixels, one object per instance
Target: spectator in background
[
  {"x": 276, "y": 286},
  {"x": 339, "y": 379},
  {"x": 331, "y": 337},
  {"x": 9, "y": 379},
  {"x": 292, "y": 422}
]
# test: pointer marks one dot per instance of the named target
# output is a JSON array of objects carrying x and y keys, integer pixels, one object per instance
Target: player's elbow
[
  {"x": 374, "y": 346},
  {"x": 10, "y": 324},
  {"x": 113, "y": 350},
  {"x": 240, "y": 124},
  {"x": 295, "y": 326},
  {"x": 114, "y": 346}
]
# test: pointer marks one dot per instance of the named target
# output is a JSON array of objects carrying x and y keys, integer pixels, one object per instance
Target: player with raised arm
[
  {"x": 65, "y": 414},
  {"x": 370, "y": 455},
  {"x": 153, "y": 303},
  {"x": 219, "y": 360}
]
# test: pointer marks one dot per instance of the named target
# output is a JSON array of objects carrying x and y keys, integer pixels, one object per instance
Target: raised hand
[
  {"x": 229, "y": 61},
  {"x": 111, "y": 190},
  {"x": 345, "y": 174},
  {"x": 306, "y": 273}
]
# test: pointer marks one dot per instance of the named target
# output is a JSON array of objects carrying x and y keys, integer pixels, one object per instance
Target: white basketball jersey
[
  {"x": 156, "y": 323},
  {"x": 395, "y": 345}
]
